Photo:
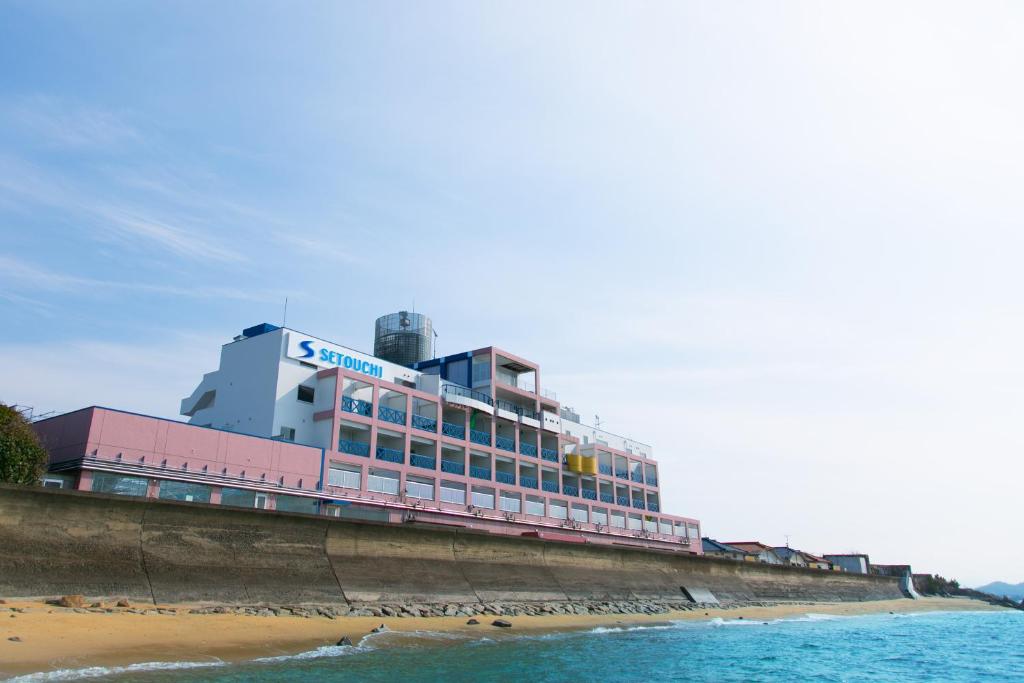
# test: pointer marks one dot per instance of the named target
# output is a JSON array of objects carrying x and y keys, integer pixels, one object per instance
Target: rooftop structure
[{"x": 294, "y": 422}]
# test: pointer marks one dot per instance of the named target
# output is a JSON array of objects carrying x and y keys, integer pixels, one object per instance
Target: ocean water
[{"x": 944, "y": 646}]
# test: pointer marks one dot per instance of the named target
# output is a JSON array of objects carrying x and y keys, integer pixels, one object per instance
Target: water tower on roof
[{"x": 404, "y": 338}]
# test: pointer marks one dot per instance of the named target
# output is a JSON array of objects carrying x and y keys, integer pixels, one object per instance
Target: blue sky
[{"x": 788, "y": 233}]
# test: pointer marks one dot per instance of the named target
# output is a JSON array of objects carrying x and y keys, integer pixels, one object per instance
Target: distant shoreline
[{"x": 52, "y": 638}]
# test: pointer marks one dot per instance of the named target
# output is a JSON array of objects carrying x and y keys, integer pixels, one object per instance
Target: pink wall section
[{"x": 109, "y": 433}]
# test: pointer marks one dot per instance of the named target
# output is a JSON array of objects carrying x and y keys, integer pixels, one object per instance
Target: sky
[{"x": 780, "y": 242}]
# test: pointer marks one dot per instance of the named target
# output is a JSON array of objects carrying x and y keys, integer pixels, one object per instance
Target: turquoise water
[{"x": 961, "y": 646}]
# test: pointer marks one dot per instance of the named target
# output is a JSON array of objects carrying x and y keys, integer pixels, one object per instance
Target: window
[
  {"x": 511, "y": 502},
  {"x": 297, "y": 504},
  {"x": 694, "y": 531},
  {"x": 104, "y": 482},
  {"x": 453, "y": 492},
  {"x": 635, "y": 523},
  {"x": 534, "y": 506},
  {"x": 618, "y": 520},
  {"x": 383, "y": 481},
  {"x": 307, "y": 365},
  {"x": 288, "y": 433},
  {"x": 579, "y": 513},
  {"x": 483, "y": 498},
  {"x": 306, "y": 393},
  {"x": 59, "y": 481},
  {"x": 599, "y": 516},
  {"x": 182, "y": 490},
  {"x": 419, "y": 487},
  {"x": 344, "y": 476},
  {"x": 558, "y": 509},
  {"x": 665, "y": 527}
]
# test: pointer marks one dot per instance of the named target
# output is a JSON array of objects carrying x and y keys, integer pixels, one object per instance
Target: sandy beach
[{"x": 52, "y": 638}]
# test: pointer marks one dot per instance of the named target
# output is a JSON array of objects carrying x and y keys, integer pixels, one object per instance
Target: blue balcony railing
[
  {"x": 505, "y": 478},
  {"x": 391, "y": 415},
  {"x": 390, "y": 454},
  {"x": 527, "y": 482},
  {"x": 453, "y": 430},
  {"x": 505, "y": 443},
  {"x": 605, "y": 469},
  {"x": 354, "y": 447},
  {"x": 587, "y": 493},
  {"x": 570, "y": 490},
  {"x": 357, "y": 406},
  {"x": 549, "y": 486},
  {"x": 638, "y": 504},
  {"x": 622, "y": 500},
  {"x": 549, "y": 454},
  {"x": 482, "y": 438},
  {"x": 652, "y": 481},
  {"x": 653, "y": 507},
  {"x": 528, "y": 449},
  {"x": 423, "y": 461},
  {"x": 480, "y": 472},
  {"x": 622, "y": 474},
  {"x": 427, "y": 424},
  {"x": 607, "y": 498},
  {"x": 452, "y": 467},
  {"x": 637, "y": 477}
]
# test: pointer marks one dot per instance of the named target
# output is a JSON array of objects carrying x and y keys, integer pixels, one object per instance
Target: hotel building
[{"x": 292, "y": 422}]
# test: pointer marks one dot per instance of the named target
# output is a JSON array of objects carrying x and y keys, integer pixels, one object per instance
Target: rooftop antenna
[
  {"x": 597, "y": 422},
  {"x": 284, "y": 319},
  {"x": 434, "y": 354},
  {"x": 787, "y": 539}
]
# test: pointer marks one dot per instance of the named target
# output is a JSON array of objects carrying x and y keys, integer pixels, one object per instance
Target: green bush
[{"x": 22, "y": 457}]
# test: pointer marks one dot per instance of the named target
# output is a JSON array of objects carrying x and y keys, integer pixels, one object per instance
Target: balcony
[
  {"x": 423, "y": 461},
  {"x": 549, "y": 454},
  {"x": 482, "y": 438},
  {"x": 528, "y": 449},
  {"x": 587, "y": 493},
  {"x": 427, "y": 424},
  {"x": 638, "y": 504},
  {"x": 607, "y": 498},
  {"x": 354, "y": 448},
  {"x": 391, "y": 415},
  {"x": 453, "y": 430},
  {"x": 637, "y": 477},
  {"x": 653, "y": 507},
  {"x": 505, "y": 443},
  {"x": 390, "y": 455},
  {"x": 479, "y": 472},
  {"x": 549, "y": 486},
  {"x": 605, "y": 469},
  {"x": 464, "y": 396},
  {"x": 622, "y": 474},
  {"x": 527, "y": 482},
  {"x": 622, "y": 500},
  {"x": 453, "y": 467},
  {"x": 356, "y": 406},
  {"x": 570, "y": 490},
  {"x": 652, "y": 481},
  {"x": 505, "y": 478}
]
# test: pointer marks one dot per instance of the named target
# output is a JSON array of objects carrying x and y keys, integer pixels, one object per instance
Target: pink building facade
[{"x": 467, "y": 440}]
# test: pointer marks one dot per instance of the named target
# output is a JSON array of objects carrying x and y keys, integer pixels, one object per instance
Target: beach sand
[{"x": 53, "y": 638}]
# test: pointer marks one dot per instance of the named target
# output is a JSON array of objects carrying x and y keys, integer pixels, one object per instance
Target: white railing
[
  {"x": 345, "y": 479},
  {"x": 535, "y": 508},
  {"x": 415, "y": 489},
  {"x": 457, "y": 496},
  {"x": 379, "y": 484},
  {"x": 483, "y": 500},
  {"x": 511, "y": 504}
]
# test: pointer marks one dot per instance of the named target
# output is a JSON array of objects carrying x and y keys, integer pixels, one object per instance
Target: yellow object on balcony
[
  {"x": 589, "y": 464},
  {"x": 575, "y": 461}
]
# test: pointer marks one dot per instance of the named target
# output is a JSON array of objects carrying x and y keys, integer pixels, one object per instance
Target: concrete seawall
[{"x": 61, "y": 542}]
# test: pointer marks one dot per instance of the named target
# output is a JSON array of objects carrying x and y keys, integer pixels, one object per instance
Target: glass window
[
  {"x": 105, "y": 482},
  {"x": 511, "y": 502},
  {"x": 483, "y": 498},
  {"x": 535, "y": 506},
  {"x": 453, "y": 492},
  {"x": 237, "y": 498},
  {"x": 419, "y": 487},
  {"x": 618, "y": 520},
  {"x": 306, "y": 394},
  {"x": 579, "y": 513},
  {"x": 296, "y": 504},
  {"x": 182, "y": 490},
  {"x": 382, "y": 481},
  {"x": 558, "y": 509},
  {"x": 346, "y": 477}
]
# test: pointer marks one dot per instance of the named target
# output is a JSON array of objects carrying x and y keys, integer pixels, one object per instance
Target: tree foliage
[{"x": 22, "y": 457}]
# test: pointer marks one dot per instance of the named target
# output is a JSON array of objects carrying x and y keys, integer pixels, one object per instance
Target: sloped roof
[{"x": 713, "y": 546}]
